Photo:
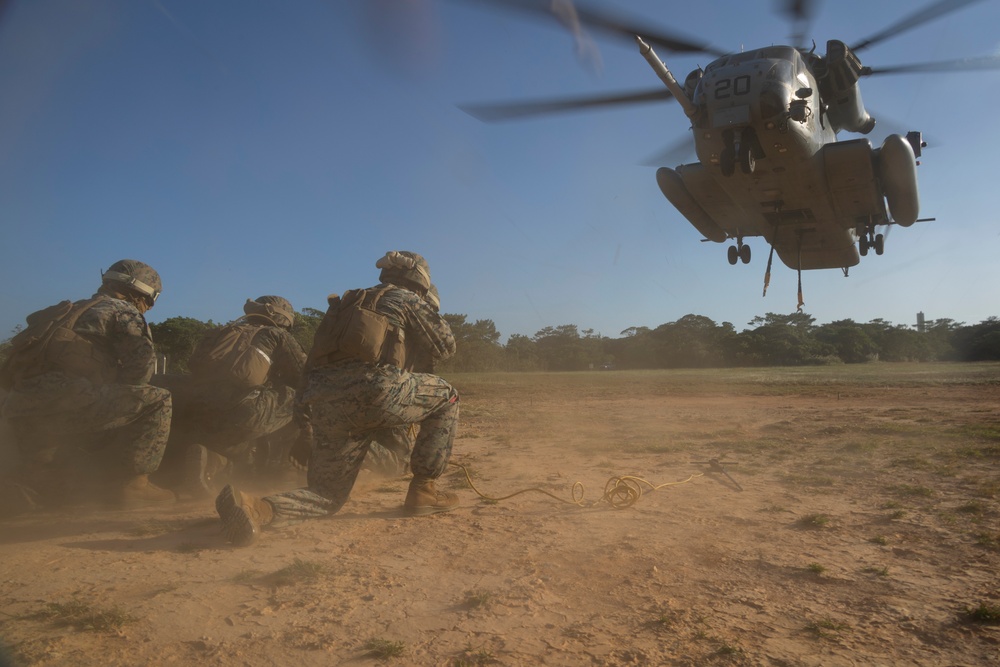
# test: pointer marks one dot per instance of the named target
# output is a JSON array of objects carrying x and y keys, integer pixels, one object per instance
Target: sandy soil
[{"x": 865, "y": 530}]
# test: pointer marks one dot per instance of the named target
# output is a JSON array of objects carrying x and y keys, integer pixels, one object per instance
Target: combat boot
[
  {"x": 204, "y": 470},
  {"x": 424, "y": 498},
  {"x": 243, "y": 516},
  {"x": 140, "y": 492}
]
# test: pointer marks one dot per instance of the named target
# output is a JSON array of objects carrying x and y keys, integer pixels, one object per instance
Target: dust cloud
[{"x": 865, "y": 534}]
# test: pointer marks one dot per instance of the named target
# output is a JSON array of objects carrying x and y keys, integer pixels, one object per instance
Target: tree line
[{"x": 693, "y": 341}]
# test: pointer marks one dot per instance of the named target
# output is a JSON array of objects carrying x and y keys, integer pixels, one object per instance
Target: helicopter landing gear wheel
[
  {"x": 747, "y": 160},
  {"x": 727, "y": 160},
  {"x": 869, "y": 240},
  {"x": 739, "y": 252}
]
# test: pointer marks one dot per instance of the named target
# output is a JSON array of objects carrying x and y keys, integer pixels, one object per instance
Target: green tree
[
  {"x": 304, "y": 328},
  {"x": 801, "y": 321},
  {"x": 852, "y": 344},
  {"x": 693, "y": 341},
  {"x": 897, "y": 342},
  {"x": 940, "y": 335},
  {"x": 596, "y": 349},
  {"x": 477, "y": 345},
  {"x": 979, "y": 342},
  {"x": 176, "y": 338},
  {"x": 521, "y": 354},
  {"x": 784, "y": 340},
  {"x": 635, "y": 349},
  {"x": 559, "y": 348}
]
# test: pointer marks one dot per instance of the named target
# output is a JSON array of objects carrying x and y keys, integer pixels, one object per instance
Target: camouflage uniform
[
  {"x": 389, "y": 451},
  {"x": 226, "y": 416},
  {"x": 353, "y": 402},
  {"x": 59, "y": 417}
]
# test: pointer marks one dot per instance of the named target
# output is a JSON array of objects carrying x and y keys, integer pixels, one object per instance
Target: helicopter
[{"x": 765, "y": 124}]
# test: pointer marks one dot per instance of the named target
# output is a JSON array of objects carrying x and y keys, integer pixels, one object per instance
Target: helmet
[
  {"x": 274, "y": 308},
  {"x": 405, "y": 266},
  {"x": 140, "y": 278},
  {"x": 433, "y": 298}
]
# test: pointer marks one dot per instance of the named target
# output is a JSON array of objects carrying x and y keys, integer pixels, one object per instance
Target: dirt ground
[{"x": 859, "y": 527}]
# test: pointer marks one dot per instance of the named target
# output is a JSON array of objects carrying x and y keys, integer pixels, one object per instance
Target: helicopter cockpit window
[
  {"x": 699, "y": 93},
  {"x": 692, "y": 83},
  {"x": 717, "y": 63},
  {"x": 779, "y": 53},
  {"x": 745, "y": 57}
]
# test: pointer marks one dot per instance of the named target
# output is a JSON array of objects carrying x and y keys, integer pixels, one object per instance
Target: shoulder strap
[{"x": 69, "y": 320}]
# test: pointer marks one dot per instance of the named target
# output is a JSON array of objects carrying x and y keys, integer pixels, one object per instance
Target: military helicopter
[{"x": 765, "y": 124}]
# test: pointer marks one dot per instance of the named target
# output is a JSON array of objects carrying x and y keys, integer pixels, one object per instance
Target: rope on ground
[{"x": 620, "y": 492}]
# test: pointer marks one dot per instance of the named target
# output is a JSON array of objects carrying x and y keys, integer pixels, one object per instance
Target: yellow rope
[{"x": 619, "y": 492}]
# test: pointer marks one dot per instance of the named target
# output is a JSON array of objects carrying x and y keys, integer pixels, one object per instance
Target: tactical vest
[
  {"x": 353, "y": 329},
  {"x": 229, "y": 355},
  {"x": 49, "y": 343}
]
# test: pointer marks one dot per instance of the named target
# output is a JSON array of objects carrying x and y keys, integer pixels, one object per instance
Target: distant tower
[{"x": 920, "y": 322}]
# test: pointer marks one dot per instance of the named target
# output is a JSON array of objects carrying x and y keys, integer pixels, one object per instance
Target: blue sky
[{"x": 247, "y": 148}]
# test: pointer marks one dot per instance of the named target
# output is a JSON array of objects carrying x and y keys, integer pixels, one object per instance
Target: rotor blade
[
  {"x": 801, "y": 14},
  {"x": 886, "y": 125},
  {"x": 674, "y": 154},
  {"x": 798, "y": 10},
  {"x": 510, "y": 111},
  {"x": 616, "y": 25},
  {"x": 961, "y": 65},
  {"x": 914, "y": 20}
]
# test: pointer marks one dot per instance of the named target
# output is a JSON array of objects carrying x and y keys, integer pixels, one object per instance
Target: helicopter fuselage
[{"x": 769, "y": 163}]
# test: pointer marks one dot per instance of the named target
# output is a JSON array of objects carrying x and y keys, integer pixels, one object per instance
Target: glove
[{"x": 301, "y": 450}]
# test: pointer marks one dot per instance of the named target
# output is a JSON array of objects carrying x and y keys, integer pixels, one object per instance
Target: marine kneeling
[
  {"x": 88, "y": 424},
  {"x": 360, "y": 381}
]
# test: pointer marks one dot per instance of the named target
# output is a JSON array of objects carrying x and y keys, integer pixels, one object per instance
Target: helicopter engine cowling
[
  {"x": 897, "y": 170},
  {"x": 673, "y": 188},
  {"x": 838, "y": 76}
]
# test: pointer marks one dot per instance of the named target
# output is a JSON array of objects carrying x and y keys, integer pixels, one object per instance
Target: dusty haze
[{"x": 865, "y": 533}]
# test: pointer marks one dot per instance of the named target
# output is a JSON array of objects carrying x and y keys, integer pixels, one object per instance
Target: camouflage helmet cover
[
  {"x": 275, "y": 308},
  {"x": 406, "y": 266},
  {"x": 139, "y": 277}
]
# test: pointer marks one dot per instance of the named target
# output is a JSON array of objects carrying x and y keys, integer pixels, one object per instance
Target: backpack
[
  {"x": 50, "y": 343},
  {"x": 354, "y": 329},
  {"x": 229, "y": 354}
]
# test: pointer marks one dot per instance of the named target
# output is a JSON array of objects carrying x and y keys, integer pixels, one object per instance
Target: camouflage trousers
[
  {"x": 119, "y": 430},
  {"x": 351, "y": 408},
  {"x": 389, "y": 451},
  {"x": 229, "y": 427}
]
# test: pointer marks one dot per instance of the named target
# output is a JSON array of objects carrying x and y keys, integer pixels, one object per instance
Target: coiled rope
[{"x": 620, "y": 492}]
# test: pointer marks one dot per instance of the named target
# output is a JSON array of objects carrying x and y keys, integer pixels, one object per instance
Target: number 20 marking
[{"x": 728, "y": 87}]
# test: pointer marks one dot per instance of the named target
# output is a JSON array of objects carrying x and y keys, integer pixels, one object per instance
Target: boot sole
[
  {"x": 226, "y": 500},
  {"x": 425, "y": 510},
  {"x": 238, "y": 526},
  {"x": 240, "y": 529}
]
